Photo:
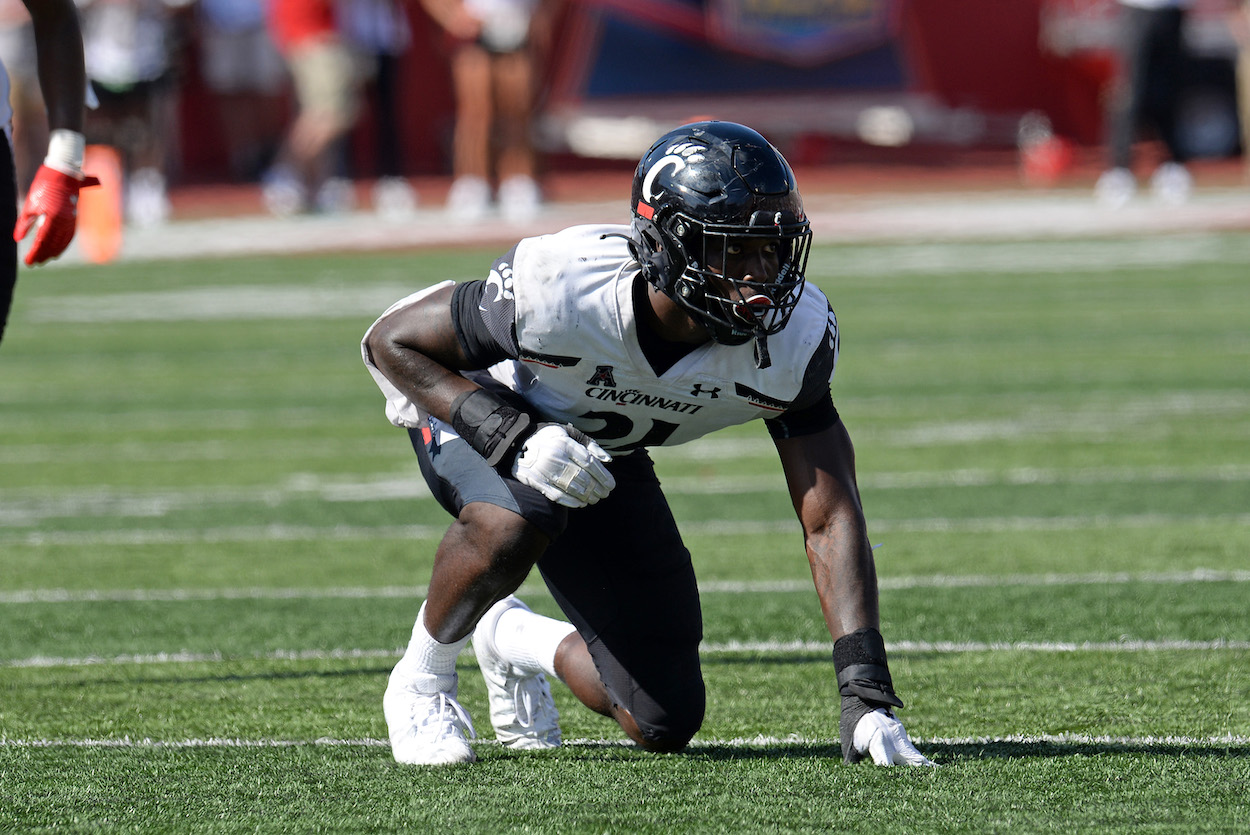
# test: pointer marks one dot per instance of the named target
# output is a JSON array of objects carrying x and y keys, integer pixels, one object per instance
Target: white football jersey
[{"x": 578, "y": 358}]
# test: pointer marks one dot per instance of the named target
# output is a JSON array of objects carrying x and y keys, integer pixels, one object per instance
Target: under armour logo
[
  {"x": 698, "y": 389},
  {"x": 602, "y": 377}
]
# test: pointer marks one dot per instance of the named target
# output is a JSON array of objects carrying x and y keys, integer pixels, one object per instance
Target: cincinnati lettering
[{"x": 633, "y": 397}]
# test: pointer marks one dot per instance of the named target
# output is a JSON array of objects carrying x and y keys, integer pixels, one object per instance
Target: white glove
[
  {"x": 565, "y": 465},
  {"x": 881, "y": 735}
]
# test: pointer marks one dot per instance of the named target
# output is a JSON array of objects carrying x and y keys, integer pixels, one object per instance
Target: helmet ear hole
[{"x": 647, "y": 247}]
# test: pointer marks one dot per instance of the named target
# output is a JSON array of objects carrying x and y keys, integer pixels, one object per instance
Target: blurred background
[{"x": 199, "y": 93}]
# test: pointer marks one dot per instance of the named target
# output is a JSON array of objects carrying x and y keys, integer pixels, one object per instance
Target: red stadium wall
[
  {"x": 982, "y": 55},
  {"x": 986, "y": 54}
]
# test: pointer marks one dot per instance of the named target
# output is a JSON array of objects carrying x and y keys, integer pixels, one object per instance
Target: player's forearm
[
  {"x": 417, "y": 350},
  {"x": 430, "y": 385},
  {"x": 845, "y": 574}
]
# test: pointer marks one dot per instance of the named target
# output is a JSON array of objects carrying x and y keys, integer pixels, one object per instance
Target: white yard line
[
  {"x": 1018, "y": 416},
  {"x": 1129, "y": 255},
  {"x": 948, "y": 231},
  {"x": 184, "y": 595},
  {"x": 130, "y": 743},
  {"x": 707, "y": 527},
  {"x": 29, "y": 506},
  {"x": 244, "y": 533},
  {"x": 1200, "y": 575},
  {"x": 775, "y": 648}
]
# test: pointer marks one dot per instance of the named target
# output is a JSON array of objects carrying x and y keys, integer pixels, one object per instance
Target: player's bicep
[
  {"x": 820, "y": 474},
  {"x": 812, "y": 410},
  {"x": 817, "y": 416}
]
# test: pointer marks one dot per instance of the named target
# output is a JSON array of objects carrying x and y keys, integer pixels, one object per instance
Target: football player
[
  {"x": 52, "y": 201},
  {"x": 531, "y": 398}
]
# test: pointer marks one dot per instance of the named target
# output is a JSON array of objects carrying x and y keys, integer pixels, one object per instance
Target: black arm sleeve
[
  {"x": 805, "y": 420},
  {"x": 813, "y": 410},
  {"x": 483, "y": 325}
]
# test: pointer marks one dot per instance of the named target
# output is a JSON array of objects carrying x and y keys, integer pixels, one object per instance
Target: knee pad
[{"x": 669, "y": 722}]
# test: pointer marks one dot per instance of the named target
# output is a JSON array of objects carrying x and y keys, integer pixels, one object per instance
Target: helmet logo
[{"x": 676, "y": 158}]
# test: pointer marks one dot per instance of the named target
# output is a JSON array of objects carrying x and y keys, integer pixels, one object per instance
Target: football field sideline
[
  {"x": 836, "y": 217},
  {"x": 240, "y": 297}
]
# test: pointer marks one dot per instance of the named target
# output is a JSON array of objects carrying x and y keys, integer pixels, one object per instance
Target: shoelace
[
  {"x": 524, "y": 699},
  {"x": 528, "y": 695},
  {"x": 442, "y": 707}
]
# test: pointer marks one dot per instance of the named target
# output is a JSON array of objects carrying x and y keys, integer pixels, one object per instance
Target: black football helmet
[{"x": 700, "y": 190}]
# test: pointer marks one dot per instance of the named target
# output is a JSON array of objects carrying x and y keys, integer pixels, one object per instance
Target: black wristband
[
  {"x": 863, "y": 671},
  {"x": 489, "y": 425}
]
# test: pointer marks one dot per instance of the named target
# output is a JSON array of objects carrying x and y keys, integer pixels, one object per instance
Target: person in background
[
  {"x": 495, "y": 45},
  {"x": 328, "y": 75},
  {"x": 1146, "y": 93},
  {"x": 1239, "y": 27},
  {"x": 132, "y": 48},
  {"x": 379, "y": 31},
  {"x": 247, "y": 78},
  {"x": 50, "y": 208}
]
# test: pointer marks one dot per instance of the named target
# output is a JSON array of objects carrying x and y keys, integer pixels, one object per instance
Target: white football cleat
[
  {"x": 394, "y": 198},
  {"x": 147, "y": 198},
  {"x": 284, "y": 194},
  {"x": 521, "y": 708},
  {"x": 468, "y": 199},
  {"x": 336, "y": 196},
  {"x": 1172, "y": 184},
  {"x": 427, "y": 725},
  {"x": 519, "y": 198},
  {"x": 1115, "y": 188}
]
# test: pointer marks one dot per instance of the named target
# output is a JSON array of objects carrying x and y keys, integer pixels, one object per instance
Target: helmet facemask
[{"x": 735, "y": 310}]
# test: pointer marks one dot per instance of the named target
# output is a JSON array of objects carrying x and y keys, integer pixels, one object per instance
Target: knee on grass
[{"x": 668, "y": 728}]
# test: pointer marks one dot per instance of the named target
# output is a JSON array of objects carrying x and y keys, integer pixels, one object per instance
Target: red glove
[{"x": 52, "y": 207}]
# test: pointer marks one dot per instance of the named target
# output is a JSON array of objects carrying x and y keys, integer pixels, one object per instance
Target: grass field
[{"x": 212, "y": 545}]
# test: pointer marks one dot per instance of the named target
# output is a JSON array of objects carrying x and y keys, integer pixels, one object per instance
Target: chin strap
[
  {"x": 762, "y": 359},
  {"x": 653, "y": 272},
  {"x": 650, "y": 265}
]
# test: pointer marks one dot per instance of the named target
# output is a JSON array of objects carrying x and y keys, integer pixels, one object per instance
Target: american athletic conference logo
[{"x": 602, "y": 386}]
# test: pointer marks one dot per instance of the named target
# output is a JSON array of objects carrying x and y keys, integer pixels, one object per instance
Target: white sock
[
  {"x": 426, "y": 655},
  {"x": 529, "y": 641}
]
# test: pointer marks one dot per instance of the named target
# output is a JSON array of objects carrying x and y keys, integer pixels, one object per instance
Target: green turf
[{"x": 212, "y": 545}]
